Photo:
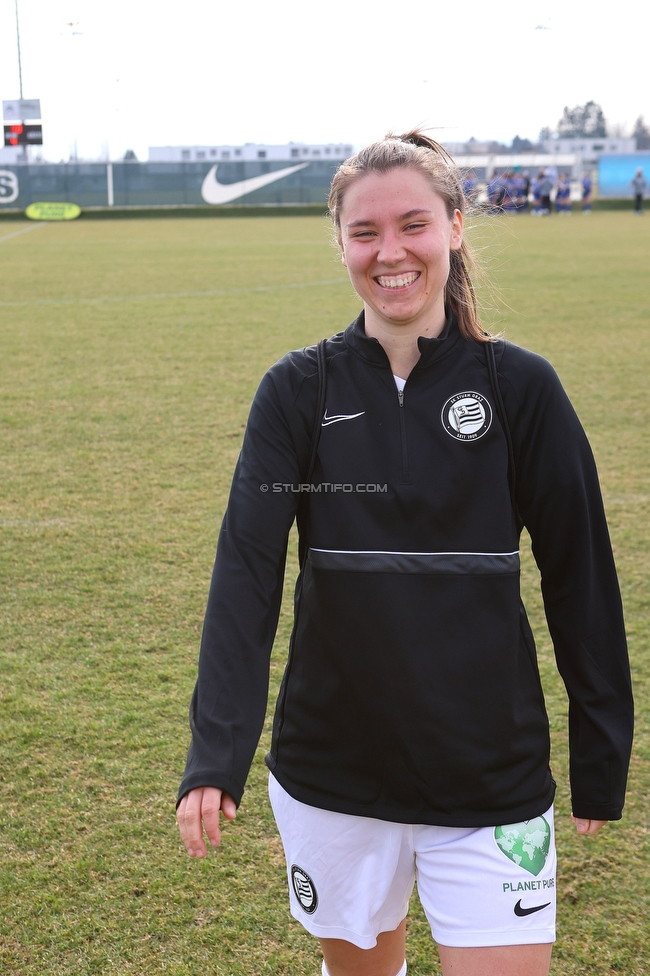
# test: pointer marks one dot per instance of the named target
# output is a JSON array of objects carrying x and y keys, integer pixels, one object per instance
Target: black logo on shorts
[
  {"x": 305, "y": 889},
  {"x": 466, "y": 416},
  {"x": 522, "y": 912}
]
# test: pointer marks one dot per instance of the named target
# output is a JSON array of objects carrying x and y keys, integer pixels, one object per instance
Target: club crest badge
[
  {"x": 467, "y": 416},
  {"x": 305, "y": 889}
]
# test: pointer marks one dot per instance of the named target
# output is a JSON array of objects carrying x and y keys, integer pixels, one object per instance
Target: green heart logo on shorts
[{"x": 526, "y": 844}]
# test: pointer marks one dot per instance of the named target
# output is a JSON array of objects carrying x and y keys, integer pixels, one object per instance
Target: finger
[
  {"x": 188, "y": 818},
  {"x": 584, "y": 826},
  {"x": 228, "y": 806},
  {"x": 595, "y": 826},
  {"x": 210, "y": 807}
]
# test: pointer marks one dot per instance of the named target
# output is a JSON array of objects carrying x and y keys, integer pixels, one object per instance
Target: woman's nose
[{"x": 391, "y": 250}]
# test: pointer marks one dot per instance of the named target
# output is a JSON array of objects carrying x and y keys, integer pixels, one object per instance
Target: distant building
[
  {"x": 11, "y": 154},
  {"x": 249, "y": 152},
  {"x": 589, "y": 149},
  {"x": 463, "y": 148},
  {"x": 471, "y": 147},
  {"x": 484, "y": 166}
]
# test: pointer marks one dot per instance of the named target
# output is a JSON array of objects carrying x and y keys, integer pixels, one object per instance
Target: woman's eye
[{"x": 415, "y": 227}]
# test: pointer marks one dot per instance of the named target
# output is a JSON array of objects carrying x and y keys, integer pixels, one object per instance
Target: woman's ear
[
  {"x": 456, "y": 231},
  {"x": 343, "y": 261}
]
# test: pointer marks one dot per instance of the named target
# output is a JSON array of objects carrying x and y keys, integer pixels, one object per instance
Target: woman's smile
[{"x": 401, "y": 281}]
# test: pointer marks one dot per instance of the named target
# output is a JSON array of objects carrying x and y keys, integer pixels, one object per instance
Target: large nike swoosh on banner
[{"x": 214, "y": 192}]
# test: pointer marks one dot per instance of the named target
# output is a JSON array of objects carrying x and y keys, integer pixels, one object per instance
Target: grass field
[{"x": 130, "y": 353}]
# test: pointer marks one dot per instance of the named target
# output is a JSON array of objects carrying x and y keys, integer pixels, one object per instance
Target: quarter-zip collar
[{"x": 372, "y": 351}]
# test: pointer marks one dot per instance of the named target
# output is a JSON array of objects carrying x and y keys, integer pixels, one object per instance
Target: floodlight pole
[
  {"x": 20, "y": 73},
  {"x": 20, "y": 68}
]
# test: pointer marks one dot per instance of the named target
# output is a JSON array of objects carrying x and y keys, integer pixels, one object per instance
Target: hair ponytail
[{"x": 416, "y": 137}]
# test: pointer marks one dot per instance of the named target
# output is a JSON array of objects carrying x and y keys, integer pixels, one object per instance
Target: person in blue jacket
[
  {"x": 470, "y": 186},
  {"x": 410, "y": 741},
  {"x": 563, "y": 194},
  {"x": 587, "y": 186}
]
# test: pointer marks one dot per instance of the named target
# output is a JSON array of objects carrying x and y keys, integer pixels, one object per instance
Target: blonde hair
[{"x": 417, "y": 150}]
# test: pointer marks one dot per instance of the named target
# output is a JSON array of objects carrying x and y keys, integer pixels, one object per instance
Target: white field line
[
  {"x": 33, "y": 523},
  {"x": 25, "y": 230},
  {"x": 162, "y": 296}
]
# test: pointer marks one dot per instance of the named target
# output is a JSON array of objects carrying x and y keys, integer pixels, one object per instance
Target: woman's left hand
[{"x": 588, "y": 826}]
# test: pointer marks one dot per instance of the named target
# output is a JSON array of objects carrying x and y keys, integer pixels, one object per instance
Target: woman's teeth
[{"x": 397, "y": 281}]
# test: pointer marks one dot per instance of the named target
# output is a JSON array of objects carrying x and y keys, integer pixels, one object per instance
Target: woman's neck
[{"x": 400, "y": 340}]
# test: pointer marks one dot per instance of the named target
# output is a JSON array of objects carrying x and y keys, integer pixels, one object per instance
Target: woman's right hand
[{"x": 199, "y": 811}]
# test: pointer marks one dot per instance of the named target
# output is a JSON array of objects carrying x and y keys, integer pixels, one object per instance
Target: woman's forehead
[{"x": 401, "y": 192}]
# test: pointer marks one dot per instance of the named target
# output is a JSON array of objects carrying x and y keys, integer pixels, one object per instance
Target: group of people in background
[{"x": 516, "y": 192}]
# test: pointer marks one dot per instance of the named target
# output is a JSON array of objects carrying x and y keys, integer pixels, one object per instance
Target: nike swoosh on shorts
[{"x": 522, "y": 912}]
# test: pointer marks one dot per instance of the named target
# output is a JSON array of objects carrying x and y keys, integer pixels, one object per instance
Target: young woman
[
  {"x": 410, "y": 739},
  {"x": 563, "y": 194},
  {"x": 536, "y": 208}
]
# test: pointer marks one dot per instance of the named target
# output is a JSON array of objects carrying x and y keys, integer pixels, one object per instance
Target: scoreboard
[{"x": 18, "y": 134}]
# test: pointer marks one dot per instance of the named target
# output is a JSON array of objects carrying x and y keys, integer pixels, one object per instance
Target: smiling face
[{"x": 395, "y": 239}]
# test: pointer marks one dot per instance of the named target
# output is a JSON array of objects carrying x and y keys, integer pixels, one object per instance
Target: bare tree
[
  {"x": 641, "y": 133},
  {"x": 587, "y": 121},
  {"x": 521, "y": 145}
]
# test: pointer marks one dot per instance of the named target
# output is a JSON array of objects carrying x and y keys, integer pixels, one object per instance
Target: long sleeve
[
  {"x": 229, "y": 701},
  {"x": 559, "y": 500}
]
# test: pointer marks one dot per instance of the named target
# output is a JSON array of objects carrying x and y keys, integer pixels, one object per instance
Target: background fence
[
  {"x": 158, "y": 184},
  {"x": 136, "y": 184}
]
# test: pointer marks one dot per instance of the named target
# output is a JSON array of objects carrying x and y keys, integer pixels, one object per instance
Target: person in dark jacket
[
  {"x": 639, "y": 185},
  {"x": 545, "y": 188},
  {"x": 410, "y": 738}
]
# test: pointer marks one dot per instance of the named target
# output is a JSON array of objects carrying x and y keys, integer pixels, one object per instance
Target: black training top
[{"x": 412, "y": 692}]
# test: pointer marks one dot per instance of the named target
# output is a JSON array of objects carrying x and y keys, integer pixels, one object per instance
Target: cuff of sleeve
[
  {"x": 596, "y": 811},
  {"x": 197, "y": 780}
]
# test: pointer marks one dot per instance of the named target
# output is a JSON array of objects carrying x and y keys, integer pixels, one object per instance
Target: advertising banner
[
  {"x": 52, "y": 211},
  {"x": 9, "y": 190},
  {"x": 21, "y": 109},
  {"x": 132, "y": 184},
  {"x": 615, "y": 173}
]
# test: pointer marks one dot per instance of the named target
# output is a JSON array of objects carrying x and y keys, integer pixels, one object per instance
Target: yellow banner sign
[{"x": 52, "y": 211}]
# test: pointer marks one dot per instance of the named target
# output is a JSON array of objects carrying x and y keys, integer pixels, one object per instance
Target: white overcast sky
[{"x": 137, "y": 73}]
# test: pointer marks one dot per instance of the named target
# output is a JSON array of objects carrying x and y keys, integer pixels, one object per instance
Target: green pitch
[{"x": 130, "y": 353}]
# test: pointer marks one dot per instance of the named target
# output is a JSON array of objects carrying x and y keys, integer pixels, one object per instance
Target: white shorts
[{"x": 351, "y": 877}]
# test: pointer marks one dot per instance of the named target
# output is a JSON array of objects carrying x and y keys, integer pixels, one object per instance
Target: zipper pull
[{"x": 400, "y": 397}]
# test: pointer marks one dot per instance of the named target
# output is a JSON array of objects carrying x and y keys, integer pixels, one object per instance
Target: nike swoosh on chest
[{"x": 338, "y": 417}]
